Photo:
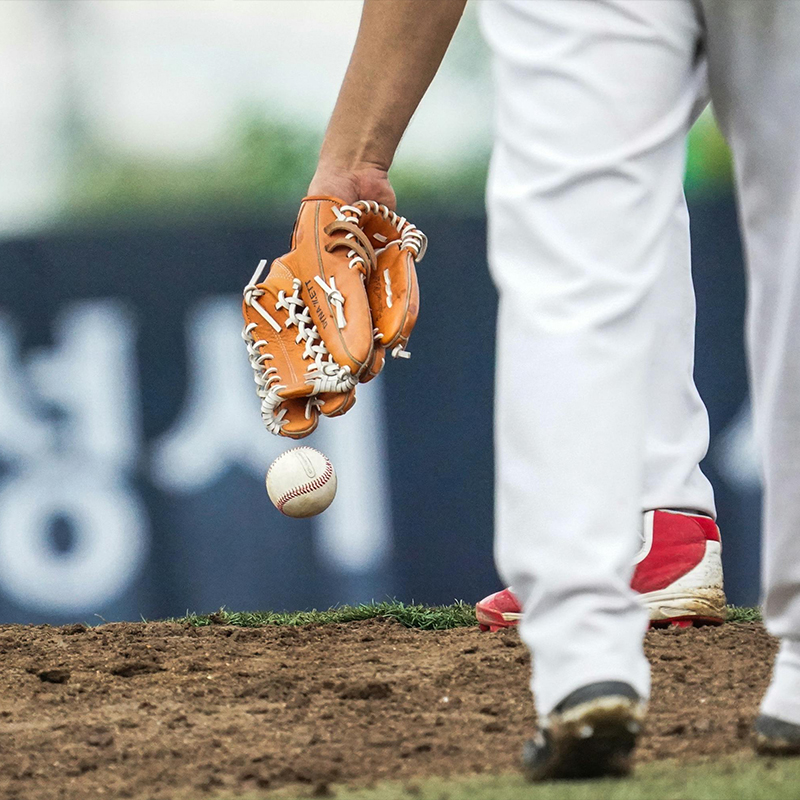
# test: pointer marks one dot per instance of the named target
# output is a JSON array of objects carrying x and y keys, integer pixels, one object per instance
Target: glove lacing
[
  {"x": 360, "y": 254},
  {"x": 411, "y": 239},
  {"x": 323, "y": 374}
]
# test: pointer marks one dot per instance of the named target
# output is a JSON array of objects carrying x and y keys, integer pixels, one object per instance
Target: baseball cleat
[
  {"x": 498, "y": 610},
  {"x": 589, "y": 734},
  {"x": 678, "y": 574},
  {"x": 774, "y": 737}
]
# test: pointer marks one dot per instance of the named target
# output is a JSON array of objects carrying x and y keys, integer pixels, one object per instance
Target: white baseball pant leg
[
  {"x": 754, "y": 67},
  {"x": 677, "y": 427},
  {"x": 676, "y": 420},
  {"x": 596, "y": 408}
]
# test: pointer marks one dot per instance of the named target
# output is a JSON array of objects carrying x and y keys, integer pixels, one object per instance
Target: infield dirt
[{"x": 168, "y": 710}]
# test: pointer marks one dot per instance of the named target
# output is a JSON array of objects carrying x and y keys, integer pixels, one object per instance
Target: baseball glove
[{"x": 324, "y": 316}]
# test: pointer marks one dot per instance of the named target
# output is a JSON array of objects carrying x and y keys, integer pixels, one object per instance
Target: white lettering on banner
[
  {"x": 355, "y": 532},
  {"x": 71, "y": 466},
  {"x": 220, "y": 427},
  {"x": 21, "y": 431},
  {"x": 108, "y": 538}
]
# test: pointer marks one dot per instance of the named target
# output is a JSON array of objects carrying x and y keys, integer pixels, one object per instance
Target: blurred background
[{"x": 152, "y": 153}]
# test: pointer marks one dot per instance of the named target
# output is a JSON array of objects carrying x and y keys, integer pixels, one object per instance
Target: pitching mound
[{"x": 168, "y": 710}]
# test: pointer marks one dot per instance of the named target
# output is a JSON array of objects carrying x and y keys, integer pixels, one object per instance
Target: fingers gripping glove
[{"x": 309, "y": 325}]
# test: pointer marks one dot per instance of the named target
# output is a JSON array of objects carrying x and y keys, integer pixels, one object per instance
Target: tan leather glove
[{"x": 323, "y": 317}]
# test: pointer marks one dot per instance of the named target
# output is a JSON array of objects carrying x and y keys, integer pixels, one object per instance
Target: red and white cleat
[
  {"x": 498, "y": 610},
  {"x": 678, "y": 574}
]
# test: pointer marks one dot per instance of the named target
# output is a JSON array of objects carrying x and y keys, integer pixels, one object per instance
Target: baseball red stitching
[{"x": 304, "y": 488}]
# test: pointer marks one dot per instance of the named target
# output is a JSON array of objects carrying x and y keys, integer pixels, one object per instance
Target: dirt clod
[
  {"x": 368, "y": 691},
  {"x": 128, "y": 669},
  {"x": 54, "y": 675}
]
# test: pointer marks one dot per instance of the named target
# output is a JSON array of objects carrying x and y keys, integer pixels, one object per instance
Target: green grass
[
  {"x": 429, "y": 618},
  {"x": 745, "y": 778},
  {"x": 744, "y": 614}
]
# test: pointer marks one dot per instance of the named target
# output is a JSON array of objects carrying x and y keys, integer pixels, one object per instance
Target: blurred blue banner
[{"x": 132, "y": 454}]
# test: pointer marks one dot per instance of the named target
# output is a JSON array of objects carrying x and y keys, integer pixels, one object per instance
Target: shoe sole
[
  {"x": 776, "y": 737},
  {"x": 592, "y": 740},
  {"x": 701, "y": 607},
  {"x": 705, "y": 605},
  {"x": 494, "y": 620},
  {"x": 773, "y": 746}
]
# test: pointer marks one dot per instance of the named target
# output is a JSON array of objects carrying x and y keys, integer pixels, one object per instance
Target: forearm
[{"x": 399, "y": 48}]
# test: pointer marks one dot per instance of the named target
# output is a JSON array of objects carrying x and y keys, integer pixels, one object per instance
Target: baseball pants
[{"x": 597, "y": 414}]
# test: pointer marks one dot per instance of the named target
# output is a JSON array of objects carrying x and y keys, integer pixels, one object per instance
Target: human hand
[{"x": 366, "y": 182}]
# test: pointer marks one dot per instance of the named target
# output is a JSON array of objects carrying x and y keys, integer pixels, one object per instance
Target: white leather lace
[
  {"x": 335, "y": 297},
  {"x": 323, "y": 373},
  {"x": 388, "y": 288},
  {"x": 411, "y": 238}
]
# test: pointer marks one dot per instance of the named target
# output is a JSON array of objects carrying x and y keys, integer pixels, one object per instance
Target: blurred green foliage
[
  {"x": 708, "y": 159},
  {"x": 267, "y": 166},
  {"x": 266, "y": 169}
]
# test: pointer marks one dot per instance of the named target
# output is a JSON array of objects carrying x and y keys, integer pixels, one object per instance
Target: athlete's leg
[
  {"x": 594, "y": 101},
  {"x": 754, "y": 62},
  {"x": 683, "y": 549},
  {"x": 677, "y": 431}
]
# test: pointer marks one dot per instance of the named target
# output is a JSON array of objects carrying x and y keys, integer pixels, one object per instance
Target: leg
[
  {"x": 754, "y": 66},
  {"x": 677, "y": 433},
  {"x": 594, "y": 101},
  {"x": 680, "y": 572}
]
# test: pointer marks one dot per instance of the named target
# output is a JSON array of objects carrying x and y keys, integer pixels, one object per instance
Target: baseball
[{"x": 301, "y": 482}]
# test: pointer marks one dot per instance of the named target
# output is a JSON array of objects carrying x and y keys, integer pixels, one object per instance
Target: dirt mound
[{"x": 167, "y": 710}]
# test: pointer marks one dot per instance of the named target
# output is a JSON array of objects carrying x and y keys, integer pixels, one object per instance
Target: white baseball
[{"x": 301, "y": 482}]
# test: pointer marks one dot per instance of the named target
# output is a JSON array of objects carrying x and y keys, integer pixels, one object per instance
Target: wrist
[
  {"x": 329, "y": 182},
  {"x": 350, "y": 164},
  {"x": 361, "y": 182}
]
